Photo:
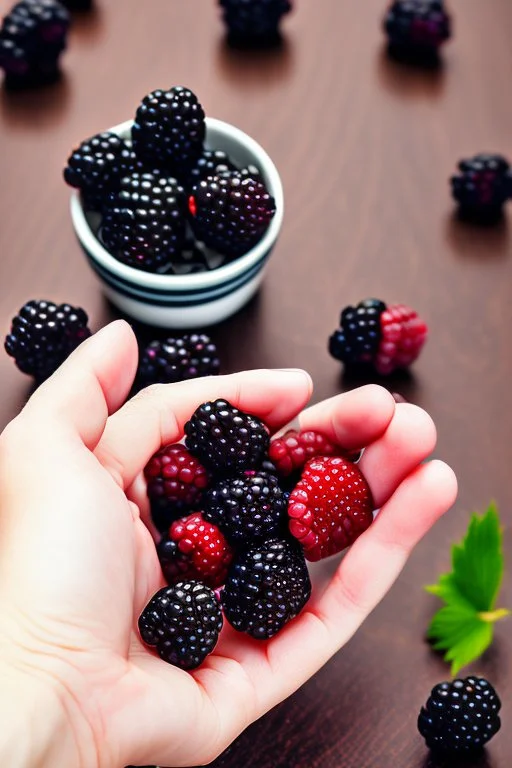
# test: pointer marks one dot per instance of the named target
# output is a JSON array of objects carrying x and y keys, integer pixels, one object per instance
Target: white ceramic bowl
[{"x": 194, "y": 300}]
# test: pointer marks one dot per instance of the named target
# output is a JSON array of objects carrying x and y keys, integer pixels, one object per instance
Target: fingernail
[{"x": 398, "y": 398}]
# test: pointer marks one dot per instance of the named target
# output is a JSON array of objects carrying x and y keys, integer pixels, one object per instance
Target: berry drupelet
[
  {"x": 247, "y": 508},
  {"x": 32, "y": 38},
  {"x": 482, "y": 187},
  {"x": 144, "y": 223},
  {"x": 168, "y": 131},
  {"x": 225, "y": 439},
  {"x": 177, "y": 359},
  {"x": 416, "y": 29},
  {"x": 43, "y": 335},
  {"x": 267, "y": 586},
  {"x": 377, "y": 336},
  {"x": 183, "y": 622},
  {"x": 460, "y": 716},
  {"x": 231, "y": 212},
  {"x": 97, "y": 166},
  {"x": 210, "y": 163},
  {"x": 253, "y": 22}
]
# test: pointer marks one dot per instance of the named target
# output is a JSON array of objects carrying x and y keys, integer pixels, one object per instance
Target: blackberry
[
  {"x": 173, "y": 475},
  {"x": 225, "y": 439},
  {"x": 164, "y": 513},
  {"x": 482, "y": 187},
  {"x": 169, "y": 129},
  {"x": 417, "y": 28},
  {"x": 460, "y": 716},
  {"x": 97, "y": 166},
  {"x": 183, "y": 622},
  {"x": 144, "y": 223},
  {"x": 253, "y": 22},
  {"x": 32, "y": 37},
  {"x": 231, "y": 212},
  {"x": 358, "y": 339},
  {"x": 43, "y": 335},
  {"x": 247, "y": 508},
  {"x": 266, "y": 587},
  {"x": 177, "y": 359},
  {"x": 210, "y": 163}
]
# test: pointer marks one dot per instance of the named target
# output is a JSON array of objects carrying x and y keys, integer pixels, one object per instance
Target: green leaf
[
  {"x": 461, "y": 633},
  {"x": 464, "y": 627},
  {"x": 477, "y": 561}
]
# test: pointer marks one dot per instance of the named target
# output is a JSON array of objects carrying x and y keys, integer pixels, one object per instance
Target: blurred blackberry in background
[
  {"x": 482, "y": 187},
  {"x": 32, "y": 37},
  {"x": 253, "y": 22},
  {"x": 168, "y": 131},
  {"x": 178, "y": 358},
  {"x": 417, "y": 28},
  {"x": 43, "y": 335},
  {"x": 144, "y": 223},
  {"x": 96, "y": 167}
]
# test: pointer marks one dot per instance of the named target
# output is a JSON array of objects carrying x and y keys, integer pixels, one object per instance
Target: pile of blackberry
[
  {"x": 239, "y": 541},
  {"x": 168, "y": 203},
  {"x": 32, "y": 37}
]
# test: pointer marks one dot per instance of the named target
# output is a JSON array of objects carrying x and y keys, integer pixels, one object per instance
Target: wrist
[{"x": 37, "y": 727}]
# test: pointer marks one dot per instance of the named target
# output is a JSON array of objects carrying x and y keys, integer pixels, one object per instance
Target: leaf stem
[{"x": 491, "y": 616}]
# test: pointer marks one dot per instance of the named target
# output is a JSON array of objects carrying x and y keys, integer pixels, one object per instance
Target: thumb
[{"x": 92, "y": 383}]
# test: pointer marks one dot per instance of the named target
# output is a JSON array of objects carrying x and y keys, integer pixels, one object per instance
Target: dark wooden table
[{"x": 365, "y": 148}]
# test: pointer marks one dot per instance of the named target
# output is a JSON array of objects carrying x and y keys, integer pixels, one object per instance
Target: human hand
[{"x": 78, "y": 564}]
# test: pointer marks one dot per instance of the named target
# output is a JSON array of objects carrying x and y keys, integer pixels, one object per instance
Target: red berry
[
  {"x": 291, "y": 451},
  {"x": 330, "y": 506},
  {"x": 201, "y": 552},
  {"x": 177, "y": 477},
  {"x": 403, "y": 335}
]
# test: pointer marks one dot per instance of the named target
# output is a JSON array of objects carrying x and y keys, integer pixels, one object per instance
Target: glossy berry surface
[
  {"x": 417, "y": 26},
  {"x": 267, "y": 586},
  {"x": 482, "y": 186},
  {"x": 460, "y": 716},
  {"x": 97, "y": 166},
  {"x": 177, "y": 359},
  {"x": 247, "y": 508},
  {"x": 290, "y": 452},
  {"x": 169, "y": 129},
  {"x": 230, "y": 213},
  {"x": 43, "y": 335},
  {"x": 330, "y": 506},
  {"x": 210, "y": 163},
  {"x": 357, "y": 340},
  {"x": 144, "y": 223},
  {"x": 183, "y": 622},
  {"x": 32, "y": 37},
  {"x": 225, "y": 439},
  {"x": 176, "y": 479},
  {"x": 195, "y": 548},
  {"x": 253, "y": 21}
]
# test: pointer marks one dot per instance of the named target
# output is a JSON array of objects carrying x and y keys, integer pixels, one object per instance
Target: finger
[
  {"x": 353, "y": 419},
  {"x": 409, "y": 440},
  {"x": 90, "y": 384},
  {"x": 157, "y": 415},
  {"x": 277, "y": 668}
]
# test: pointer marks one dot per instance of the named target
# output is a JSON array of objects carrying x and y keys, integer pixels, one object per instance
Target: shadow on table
[
  {"x": 402, "y": 383},
  {"x": 480, "y": 241},
  {"x": 86, "y": 23},
  {"x": 39, "y": 107},
  {"x": 253, "y": 68},
  {"x": 408, "y": 79}
]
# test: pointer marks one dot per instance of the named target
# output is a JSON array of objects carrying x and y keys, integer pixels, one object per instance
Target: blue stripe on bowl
[{"x": 162, "y": 298}]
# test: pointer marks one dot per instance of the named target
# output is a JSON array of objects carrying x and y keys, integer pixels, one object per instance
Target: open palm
[{"x": 78, "y": 563}]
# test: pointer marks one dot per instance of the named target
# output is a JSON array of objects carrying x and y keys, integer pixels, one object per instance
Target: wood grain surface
[{"x": 365, "y": 147}]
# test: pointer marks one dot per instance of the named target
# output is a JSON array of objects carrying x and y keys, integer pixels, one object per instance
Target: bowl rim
[{"x": 203, "y": 279}]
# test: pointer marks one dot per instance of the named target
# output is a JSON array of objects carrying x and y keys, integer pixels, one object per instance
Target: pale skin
[{"x": 78, "y": 563}]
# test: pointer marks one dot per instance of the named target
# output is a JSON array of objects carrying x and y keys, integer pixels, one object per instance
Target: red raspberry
[
  {"x": 201, "y": 552},
  {"x": 403, "y": 335},
  {"x": 330, "y": 506},
  {"x": 174, "y": 475},
  {"x": 293, "y": 449}
]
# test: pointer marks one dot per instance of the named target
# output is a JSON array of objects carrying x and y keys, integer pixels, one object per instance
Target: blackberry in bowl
[{"x": 202, "y": 286}]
